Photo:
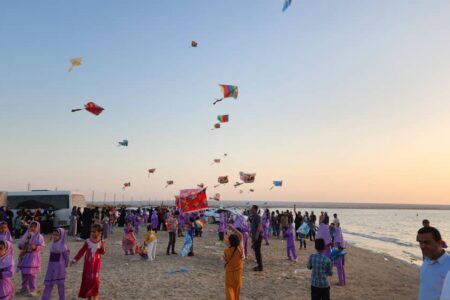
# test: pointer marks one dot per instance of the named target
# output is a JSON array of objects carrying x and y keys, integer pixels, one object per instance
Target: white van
[{"x": 61, "y": 201}]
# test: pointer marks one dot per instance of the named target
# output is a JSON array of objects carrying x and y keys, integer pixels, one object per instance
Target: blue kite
[
  {"x": 286, "y": 5},
  {"x": 277, "y": 183},
  {"x": 123, "y": 143}
]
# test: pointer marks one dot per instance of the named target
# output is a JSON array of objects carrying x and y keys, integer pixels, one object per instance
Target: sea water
[{"x": 387, "y": 231}]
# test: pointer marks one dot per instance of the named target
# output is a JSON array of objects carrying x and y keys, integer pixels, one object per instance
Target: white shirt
[
  {"x": 336, "y": 221},
  {"x": 445, "y": 295}
]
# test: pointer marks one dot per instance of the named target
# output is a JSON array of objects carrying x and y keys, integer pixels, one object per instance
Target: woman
[{"x": 73, "y": 222}]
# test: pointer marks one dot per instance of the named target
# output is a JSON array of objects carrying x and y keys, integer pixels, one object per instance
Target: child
[
  {"x": 339, "y": 261},
  {"x": 105, "y": 225},
  {"x": 6, "y": 270},
  {"x": 149, "y": 246},
  {"x": 31, "y": 245},
  {"x": 129, "y": 241},
  {"x": 234, "y": 264},
  {"x": 57, "y": 264},
  {"x": 241, "y": 225},
  {"x": 289, "y": 235},
  {"x": 188, "y": 247},
  {"x": 222, "y": 225},
  {"x": 321, "y": 268},
  {"x": 5, "y": 235},
  {"x": 94, "y": 248}
]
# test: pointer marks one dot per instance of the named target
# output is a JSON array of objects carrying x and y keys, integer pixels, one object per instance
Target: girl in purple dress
[
  {"x": 154, "y": 221},
  {"x": 31, "y": 245},
  {"x": 266, "y": 226},
  {"x": 289, "y": 235},
  {"x": 340, "y": 261},
  {"x": 6, "y": 270},
  {"x": 222, "y": 225},
  {"x": 57, "y": 264},
  {"x": 241, "y": 225},
  {"x": 5, "y": 234}
]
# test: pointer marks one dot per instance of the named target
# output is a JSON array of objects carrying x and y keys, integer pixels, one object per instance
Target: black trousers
[
  {"x": 320, "y": 293},
  {"x": 257, "y": 248},
  {"x": 221, "y": 236},
  {"x": 172, "y": 240}
]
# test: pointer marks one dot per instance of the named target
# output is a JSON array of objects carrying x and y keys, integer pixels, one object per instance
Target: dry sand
[{"x": 369, "y": 275}]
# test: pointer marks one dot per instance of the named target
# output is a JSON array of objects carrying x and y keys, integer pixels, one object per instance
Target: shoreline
[{"x": 369, "y": 275}]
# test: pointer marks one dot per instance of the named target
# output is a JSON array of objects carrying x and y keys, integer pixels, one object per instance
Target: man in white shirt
[
  {"x": 336, "y": 220},
  {"x": 436, "y": 263}
]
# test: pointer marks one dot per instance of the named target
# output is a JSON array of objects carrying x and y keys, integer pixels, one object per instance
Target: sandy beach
[{"x": 369, "y": 275}]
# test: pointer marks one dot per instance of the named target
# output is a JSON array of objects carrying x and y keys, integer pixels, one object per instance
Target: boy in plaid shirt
[{"x": 321, "y": 268}]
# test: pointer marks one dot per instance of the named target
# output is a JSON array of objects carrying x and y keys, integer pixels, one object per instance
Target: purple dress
[
  {"x": 6, "y": 273},
  {"x": 241, "y": 224},
  {"x": 339, "y": 263},
  {"x": 30, "y": 263},
  {"x": 324, "y": 233},
  {"x": 222, "y": 222},
  {"x": 265, "y": 227},
  {"x": 289, "y": 235},
  {"x": 58, "y": 260},
  {"x": 154, "y": 220}
]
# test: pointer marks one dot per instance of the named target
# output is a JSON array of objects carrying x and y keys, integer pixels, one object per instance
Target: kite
[
  {"x": 123, "y": 143},
  {"x": 286, "y": 4},
  {"x": 200, "y": 223},
  {"x": 194, "y": 44},
  {"x": 221, "y": 180},
  {"x": 228, "y": 91},
  {"x": 241, "y": 191},
  {"x": 91, "y": 107},
  {"x": 247, "y": 177},
  {"x": 277, "y": 183},
  {"x": 223, "y": 118},
  {"x": 216, "y": 161},
  {"x": 126, "y": 184},
  {"x": 75, "y": 62},
  {"x": 169, "y": 182},
  {"x": 151, "y": 171},
  {"x": 216, "y": 126},
  {"x": 225, "y": 154},
  {"x": 216, "y": 197},
  {"x": 191, "y": 200},
  {"x": 238, "y": 184},
  {"x": 251, "y": 190},
  {"x": 201, "y": 185}
]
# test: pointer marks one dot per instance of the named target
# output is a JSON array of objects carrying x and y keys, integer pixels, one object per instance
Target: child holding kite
[{"x": 234, "y": 264}]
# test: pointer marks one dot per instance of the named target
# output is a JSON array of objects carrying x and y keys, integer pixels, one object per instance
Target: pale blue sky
[{"x": 343, "y": 100}]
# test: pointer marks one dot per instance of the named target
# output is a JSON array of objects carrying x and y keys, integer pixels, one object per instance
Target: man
[
  {"x": 436, "y": 263},
  {"x": 256, "y": 232},
  {"x": 336, "y": 220},
  {"x": 321, "y": 268},
  {"x": 172, "y": 228}
]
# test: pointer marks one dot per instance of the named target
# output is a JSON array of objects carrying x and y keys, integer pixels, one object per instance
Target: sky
[{"x": 344, "y": 101}]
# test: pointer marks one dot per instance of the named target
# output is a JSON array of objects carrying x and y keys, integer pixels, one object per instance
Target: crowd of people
[{"x": 239, "y": 232}]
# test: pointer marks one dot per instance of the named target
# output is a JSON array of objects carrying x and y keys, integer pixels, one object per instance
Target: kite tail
[
  {"x": 271, "y": 188},
  {"x": 77, "y": 109},
  {"x": 217, "y": 185},
  {"x": 217, "y": 100}
]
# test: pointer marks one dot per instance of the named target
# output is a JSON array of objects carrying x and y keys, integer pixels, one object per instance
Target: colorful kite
[
  {"x": 123, "y": 143},
  {"x": 222, "y": 180},
  {"x": 247, "y": 177},
  {"x": 277, "y": 183},
  {"x": 223, "y": 118},
  {"x": 126, "y": 184},
  {"x": 169, "y": 182},
  {"x": 191, "y": 200},
  {"x": 91, "y": 107},
  {"x": 228, "y": 91},
  {"x": 194, "y": 44},
  {"x": 151, "y": 171},
  {"x": 216, "y": 197},
  {"x": 216, "y": 161},
  {"x": 286, "y": 4},
  {"x": 75, "y": 62}
]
